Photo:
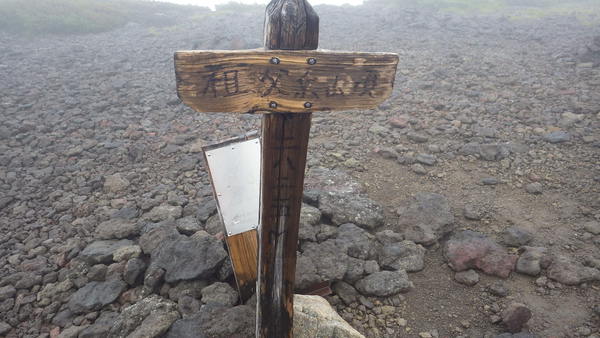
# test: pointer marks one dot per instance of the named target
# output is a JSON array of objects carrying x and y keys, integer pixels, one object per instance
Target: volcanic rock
[
  {"x": 189, "y": 258},
  {"x": 470, "y": 249},
  {"x": 116, "y": 229},
  {"x": 149, "y": 317},
  {"x": 101, "y": 252},
  {"x": 384, "y": 283},
  {"x": 94, "y": 295},
  {"x": 425, "y": 218},
  {"x": 221, "y": 294},
  {"x": 570, "y": 272},
  {"x": 405, "y": 255},
  {"x": 515, "y": 316},
  {"x": 533, "y": 260}
]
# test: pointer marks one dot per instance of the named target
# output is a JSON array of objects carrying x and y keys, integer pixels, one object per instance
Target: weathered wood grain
[
  {"x": 291, "y": 24},
  {"x": 284, "y": 149},
  {"x": 243, "y": 251},
  {"x": 285, "y": 141},
  {"x": 250, "y": 81}
]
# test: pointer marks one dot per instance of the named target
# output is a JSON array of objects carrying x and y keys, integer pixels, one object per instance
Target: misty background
[
  {"x": 33, "y": 17},
  {"x": 213, "y": 3}
]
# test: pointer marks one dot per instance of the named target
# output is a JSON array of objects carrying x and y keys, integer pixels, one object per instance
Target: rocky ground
[{"x": 468, "y": 205}]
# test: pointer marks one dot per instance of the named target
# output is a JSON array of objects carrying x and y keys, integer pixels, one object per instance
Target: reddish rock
[
  {"x": 398, "y": 122},
  {"x": 55, "y": 332},
  {"x": 515, "y": 316},
  {"x": 470, "y": 249}
]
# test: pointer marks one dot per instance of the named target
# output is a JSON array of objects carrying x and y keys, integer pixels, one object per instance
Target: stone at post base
[{"x": 314, "y": 317}]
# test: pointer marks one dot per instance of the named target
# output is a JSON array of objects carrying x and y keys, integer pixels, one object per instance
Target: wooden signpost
[{"x": 288, "y": 80}]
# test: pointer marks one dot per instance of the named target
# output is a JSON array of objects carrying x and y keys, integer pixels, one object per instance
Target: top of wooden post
[{"x": 291, "y": 25}]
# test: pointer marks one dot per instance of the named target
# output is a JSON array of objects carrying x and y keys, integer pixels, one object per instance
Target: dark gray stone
[
  {"x": 151, "y": 239},
  {"x": 7, "y": 291},
  {"x": 4, "y": 327},
  {"x": 101, "y": 252},
  {"x": 346, "y": 292},
  {"x": 149, "y": 317},
  {"x": 534, "y": 188},
  {"x": 426, "y": 159},
  {"x": 116, "y": 229},
  {"x": 101, "y": 326},
  {"x": 405, "y": 255},
  {"x": 153, "y": 278},
  {"x": 95, "y": 295},
  {"x": 186, "y": 328},
  {"x": 425, "y": 218},
  {"x": 188, "y": 258},
  {"x": 219, "y": 294},
  {"x": 557, "y": 137},
  {"x": 469, "y": 277},
  {"x": 515, "y": 316},
  {"x": 351, "y": 208},
  {"x": 188, "y": 225},
  {"x": 384, "y": 283},
  {"x": 532, "y": 260},
  {"x": 357, "y": 242},
  {"x": 570, "y": 272},
  {"x": 329, "y": 259},
  {"x": 306, "y": 273},
  {"x": 134, "y": 271},
  {"x": 516, "y": 237}
]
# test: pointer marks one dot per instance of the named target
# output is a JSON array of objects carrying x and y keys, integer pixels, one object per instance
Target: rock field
[{"x": 468, "y": 205}]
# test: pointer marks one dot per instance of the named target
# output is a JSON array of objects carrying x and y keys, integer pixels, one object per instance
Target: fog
[
  {"x": 213, "y": 3},
  {"x": 474, "y": 185}
]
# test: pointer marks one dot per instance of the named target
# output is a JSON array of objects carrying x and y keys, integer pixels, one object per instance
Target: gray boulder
[
  {"x": 101, "y": 326},
  {"x": 164, "y": 212},
  {"x": 151, "y": 239},
  {"x": 189, "y": 257},
  {"x": 469, "y": 277},
  {"x": 533, "y": 260},
  {"x": 188, "y": 225},
  {"x": 219, "y": 294},
  {"x": 346, "y": 292},
  {"x": 570, "y": 272},
  {"x": 216, "y": 322},
  {"x": 405, "y": 255},
  {"x": 357, "y": 242},
  {"x": 94, "y": 295},
  {"x": 425, "y": 218},
  {"x": 306, "y": 273},
  {"x": 557, "y": 137},
  {"x": 328, "y": 258},
  {"x": 101, "y": 252},
  {"x": 515, "y": 236},
  {"x": 149, "y": 317},
  {"x": 116, "y": 229},
  {"x": 351, "y": 208},
  {"x": 384, "y": 283},
  {"x": 328, "y": 180}
]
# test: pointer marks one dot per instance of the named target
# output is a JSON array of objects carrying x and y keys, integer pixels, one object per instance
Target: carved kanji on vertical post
[{"x": 289, "y": 25}]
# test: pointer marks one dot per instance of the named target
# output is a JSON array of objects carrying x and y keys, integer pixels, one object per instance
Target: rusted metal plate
[{"x": 283, "y": 81}]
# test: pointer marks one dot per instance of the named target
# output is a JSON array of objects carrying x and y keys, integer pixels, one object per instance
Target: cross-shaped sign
[{"x": 288, "y": 80}]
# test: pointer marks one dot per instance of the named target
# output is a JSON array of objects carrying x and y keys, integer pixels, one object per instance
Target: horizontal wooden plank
[{"x": 283, "y": 81}]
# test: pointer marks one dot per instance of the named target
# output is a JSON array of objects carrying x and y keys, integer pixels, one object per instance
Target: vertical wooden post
[{"x": 291, "y": 25}]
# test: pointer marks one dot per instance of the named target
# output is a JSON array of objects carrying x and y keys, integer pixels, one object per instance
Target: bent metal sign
[{"x": 283, "y": 81}]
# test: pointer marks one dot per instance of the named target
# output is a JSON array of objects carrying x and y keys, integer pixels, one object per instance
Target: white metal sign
[{"x": 234, "y": 168}]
